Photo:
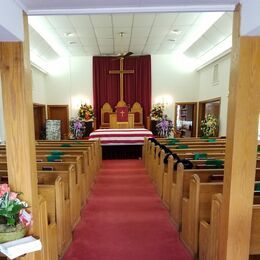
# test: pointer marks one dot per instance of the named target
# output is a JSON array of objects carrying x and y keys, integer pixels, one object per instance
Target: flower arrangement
[
  {"x": 86, "y": 112},
  {"x": 164, "y": 127},
  {"x": 13, "y": 216},
  {"x": 157, "y": 112},
  {"x": 209, "y": 126},
  {"x": 77, "y": 128}
]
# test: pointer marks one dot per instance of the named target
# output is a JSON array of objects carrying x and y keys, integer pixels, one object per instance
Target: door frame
[
  {"x": 65, "y": 106},
  {"x": 195, "y": 112},
  {"x": 44, "y": 116},
  {"x": 201, "y": 111}
]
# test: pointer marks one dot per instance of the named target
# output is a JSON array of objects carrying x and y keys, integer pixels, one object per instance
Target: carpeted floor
[{"x": 124, "y": 219}]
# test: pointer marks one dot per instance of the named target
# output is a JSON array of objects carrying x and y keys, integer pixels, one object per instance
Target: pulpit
[
  {"x": 114, "y": 123},
  {"x": 121, "y": 118}
]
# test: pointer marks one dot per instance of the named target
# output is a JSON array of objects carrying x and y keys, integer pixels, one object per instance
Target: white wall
[
  {"x": 208, "y": 90},
  {"x": 38, "y": 86},
  {"x": 70, "y": 81},
  {"x": 171, "y": 77}
]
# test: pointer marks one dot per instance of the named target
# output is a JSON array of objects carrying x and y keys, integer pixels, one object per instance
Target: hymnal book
[{"x": 20, "y": 247}]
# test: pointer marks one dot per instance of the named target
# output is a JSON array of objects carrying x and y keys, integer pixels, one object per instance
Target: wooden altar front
[{"x": 115, "y": 124}]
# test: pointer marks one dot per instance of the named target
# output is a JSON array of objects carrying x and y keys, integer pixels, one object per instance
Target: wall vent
[{"x": 215, "y": 80}]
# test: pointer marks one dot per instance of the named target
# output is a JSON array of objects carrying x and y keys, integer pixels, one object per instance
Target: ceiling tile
[
  {"x": 159, "y": 32},
  {"x": 186, "y": 18},
  {"x": 60, "y": 22},
  {"x": 154, "y": 40},
  {"x": 140, "y": 32},
  {"x": 139, "y": 40},
  {"x": 101, "y": 20},
  {"x": 165, "y": 20},
  {"x": 143, "y": 20},
  {"x": 103, "y": 32},
  {"x": 122, "y": 20},
  {"x": 106, "y": 50},
  {"x": 137, "y": 49},
  {"x": 105, "y": 42},
  {"x": 80, "y": 21}
]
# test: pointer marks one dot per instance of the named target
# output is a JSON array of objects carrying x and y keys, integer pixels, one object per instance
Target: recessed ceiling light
[
  {"x": 68, "y": 34},
  {"x": 175, "y": 31}
]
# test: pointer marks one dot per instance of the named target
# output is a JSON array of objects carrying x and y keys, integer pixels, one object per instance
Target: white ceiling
[
  {"x": 145, "y": 33},
  {"x": 98, "y": 6}
]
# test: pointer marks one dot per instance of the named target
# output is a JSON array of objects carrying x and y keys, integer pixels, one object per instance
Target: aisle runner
[{"x": 125, "y": 220}]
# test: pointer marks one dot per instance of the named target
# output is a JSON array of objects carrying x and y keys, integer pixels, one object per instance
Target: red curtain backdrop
[{"x": 137, "y": 86}]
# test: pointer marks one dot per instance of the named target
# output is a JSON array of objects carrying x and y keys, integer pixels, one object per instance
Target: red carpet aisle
[{"x": 124, "y": 219}]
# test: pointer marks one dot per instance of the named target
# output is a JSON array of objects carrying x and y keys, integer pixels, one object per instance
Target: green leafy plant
[
  {"x": 12, "y": 209},
  {"x": 209, "y": 126}
]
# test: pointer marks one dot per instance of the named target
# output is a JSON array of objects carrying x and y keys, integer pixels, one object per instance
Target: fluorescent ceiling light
[
  {"x": 40, "y": 25},
  {"x": 203, "y": 23}
]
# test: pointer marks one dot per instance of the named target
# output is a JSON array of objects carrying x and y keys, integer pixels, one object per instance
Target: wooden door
[
  {"x": 60, "y": 112},
  {"x": 186, "y": 118},
  {"x": 39, "y": 113}
]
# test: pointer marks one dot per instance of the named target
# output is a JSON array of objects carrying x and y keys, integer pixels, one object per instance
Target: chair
[
  {"x": 105, "y": 111},
  {"x": 137, "y": 110}
]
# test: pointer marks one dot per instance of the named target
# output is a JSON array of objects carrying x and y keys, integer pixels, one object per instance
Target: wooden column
[
  {"x": 240, "y": 161},
  {"x": 18, "y": 117}
]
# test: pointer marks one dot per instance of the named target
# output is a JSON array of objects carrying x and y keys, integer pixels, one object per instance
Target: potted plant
[
  {"x": 156, "y": 115},
  {"x": 14, "y": 219},
  {"x": 77, "y": 128},
  {"x": 164, "y": 127},
  {"x": 209, "y": 126},
  {"x": 86, "y": 112}
]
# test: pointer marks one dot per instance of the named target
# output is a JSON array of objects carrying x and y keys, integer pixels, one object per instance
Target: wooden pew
[
  {"x": 58, "y": 207},
  {"x": 93, "y": 145},
  {"x": 72, "y": 189},
  {"x": 53, "y": 189},
  {"x": 89, "y": 164},
  {"x": 67, "y": 172},
  {"x": 196, "y": 207},
  {"x": 78, "y": 143},
  {"x": 47, "y": 233},
  {"x": 180, "y": 188},
  {"x": 209, "y": 232},
  {"x": 82, "y": 176}
]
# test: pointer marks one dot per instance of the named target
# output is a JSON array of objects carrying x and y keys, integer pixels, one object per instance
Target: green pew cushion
[
  {"x": 53, "y": 158},
  {"x": 212, "y": 140},
  {"x": 200, "y": 156},
  {"x": 182, "y": 146},
  {"x": 257, "y": 186},
  {"x": 217, "y": 163},
  {"x": 65, "y": 145},
  {"x": 55, "y": 152},
  {"x": 172, "y": 141}
]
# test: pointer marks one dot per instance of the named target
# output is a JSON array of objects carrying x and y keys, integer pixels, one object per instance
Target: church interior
[{"x": 131, "y": 129}]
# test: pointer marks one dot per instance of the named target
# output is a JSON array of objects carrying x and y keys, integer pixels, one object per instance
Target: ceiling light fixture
[
  {"x": 68, "y": 34},
  {"x": 176, "y": 31}
]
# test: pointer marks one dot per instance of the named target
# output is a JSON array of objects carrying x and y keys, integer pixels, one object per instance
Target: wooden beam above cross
[{"x": 121, "y": 72}]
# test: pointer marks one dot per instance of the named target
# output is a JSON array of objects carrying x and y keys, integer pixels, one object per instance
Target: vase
[{"x": 12, "y": 234}]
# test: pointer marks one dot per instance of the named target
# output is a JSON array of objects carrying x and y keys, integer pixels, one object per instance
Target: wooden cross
[{"x": 121, "y": 72}]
